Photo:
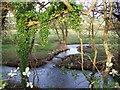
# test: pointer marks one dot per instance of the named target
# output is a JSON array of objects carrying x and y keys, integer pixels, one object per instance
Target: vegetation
[{"x": 60, "y": 23}]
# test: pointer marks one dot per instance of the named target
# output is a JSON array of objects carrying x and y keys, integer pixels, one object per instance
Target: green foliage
[
  {"x": 76, "y": 7},
  {"x": 86, "y": 74},
  {"x": 2, "y": 75},
  {"x": 74, "y": 17},
  {"x": 116, "y": 78},
  {"x": 25, "y": 33},
  {"x": 96, "y": 82},
  {"x": 25, "y": 13},
  {"x": 44, "y": 27},
  {"x": 75, "y": 74},
  {"x": 3, "y": 83},
  {"x": 64, "y": 70},
  {"x": 56, "y": 8},
  {"x": 70, "y": 65},
  {"x": 114, "y": 84}
]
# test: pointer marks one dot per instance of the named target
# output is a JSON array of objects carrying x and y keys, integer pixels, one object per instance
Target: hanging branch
[{"x": 69, "y": 8}]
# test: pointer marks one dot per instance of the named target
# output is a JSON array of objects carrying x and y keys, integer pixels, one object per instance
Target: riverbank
[
  {"x": 50, "y": 75},
  {"x": 67, "y": 59},
  {"x": 36, "y": 62}
]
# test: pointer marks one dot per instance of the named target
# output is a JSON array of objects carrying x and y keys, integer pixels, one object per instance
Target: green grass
[
  {"x": 9, "y": 50},
  {"x": 72, "y": 38},
  {"x": 9, "y": 53},
  {"x": 86, "y": 39},
  {"x": 42, "y": 52},
  {"x": 100, "y": 53}
]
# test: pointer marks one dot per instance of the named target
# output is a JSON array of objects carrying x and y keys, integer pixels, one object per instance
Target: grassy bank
[{"x": 9, "y": 48}]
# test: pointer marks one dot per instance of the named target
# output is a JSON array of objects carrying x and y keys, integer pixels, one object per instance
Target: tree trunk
[
  {"x": 109, "y": 55},
  {"x": 66, "y": 32},
  {"x": 63, "y": 34},
  {"x": 81, "y": 50},
  {"x": 32, "y": 44},
  {"x": 94, "y": 48},
  {"x": 57, "y": 32},
  {"x": 3, "y": 16}
]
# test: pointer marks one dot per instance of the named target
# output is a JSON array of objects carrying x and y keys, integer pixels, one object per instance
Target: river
[{"x": 51, "y": 76}]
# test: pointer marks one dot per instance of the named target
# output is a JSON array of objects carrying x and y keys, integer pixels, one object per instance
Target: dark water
[{"x": 51, "y": 76}]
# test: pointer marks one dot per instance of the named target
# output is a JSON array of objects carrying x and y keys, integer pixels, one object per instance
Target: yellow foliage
[{"x": 31, "y": 23}]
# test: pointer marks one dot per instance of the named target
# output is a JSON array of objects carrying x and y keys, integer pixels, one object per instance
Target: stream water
[{"x": 51, "y": 76}]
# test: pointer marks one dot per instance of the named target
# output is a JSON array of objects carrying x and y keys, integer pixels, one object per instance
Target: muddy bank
[
  {"x": 74, "y": 62},
  {"x": 36, "y": 62},
  {"x": 66, "y": 58}
]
